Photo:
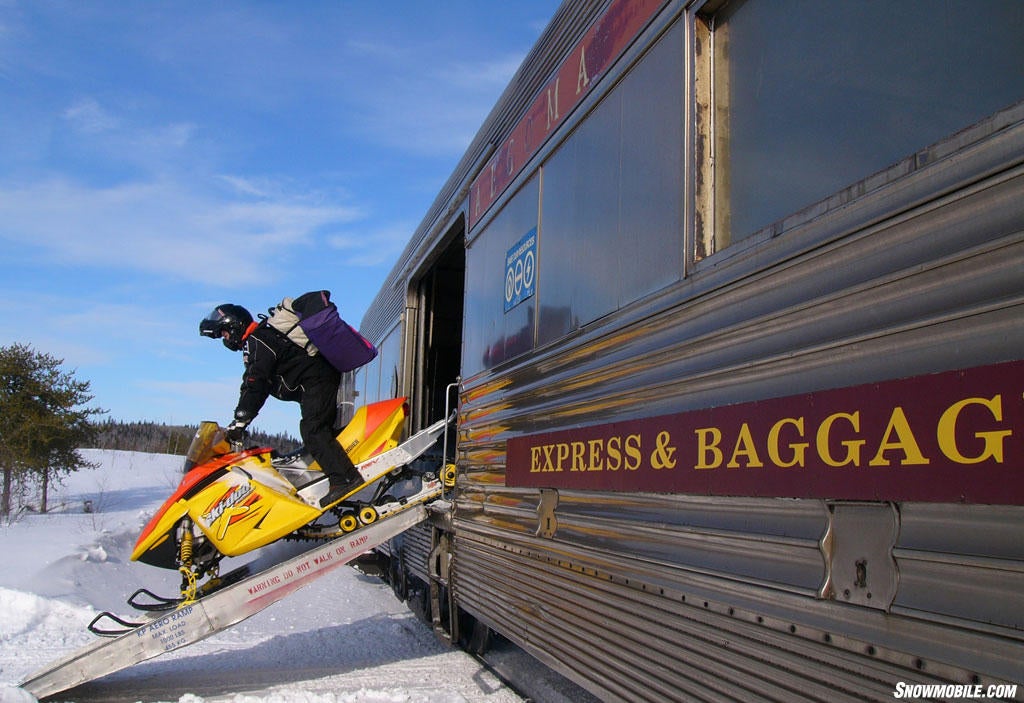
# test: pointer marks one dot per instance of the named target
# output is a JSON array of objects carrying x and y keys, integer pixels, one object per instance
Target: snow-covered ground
[{"x": 344, "y": 638}]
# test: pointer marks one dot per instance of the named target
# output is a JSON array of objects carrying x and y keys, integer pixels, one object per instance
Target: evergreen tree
[{"x": 43, "y": 419}]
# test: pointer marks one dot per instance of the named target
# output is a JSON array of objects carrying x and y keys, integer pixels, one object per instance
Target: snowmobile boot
[{"x": 340, "y": 485}]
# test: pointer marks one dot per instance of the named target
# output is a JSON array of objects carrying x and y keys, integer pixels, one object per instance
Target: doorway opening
[{"x": 440, "y": 293}]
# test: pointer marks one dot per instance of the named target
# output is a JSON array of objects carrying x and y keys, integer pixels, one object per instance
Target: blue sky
[{"x": 159, "y": 158}]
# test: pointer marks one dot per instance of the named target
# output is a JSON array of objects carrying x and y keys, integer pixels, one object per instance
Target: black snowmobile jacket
[{"x": 274, "y": 365}]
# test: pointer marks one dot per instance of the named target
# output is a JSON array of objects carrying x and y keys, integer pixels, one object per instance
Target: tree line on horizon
[{"x": 159, "y": 438}]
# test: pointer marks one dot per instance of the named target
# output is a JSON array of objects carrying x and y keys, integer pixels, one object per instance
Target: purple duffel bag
[{"x": 339, "y": 342}]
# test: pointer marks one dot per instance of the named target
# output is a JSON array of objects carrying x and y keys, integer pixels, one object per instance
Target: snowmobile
[{"x": 232, "y": 501}]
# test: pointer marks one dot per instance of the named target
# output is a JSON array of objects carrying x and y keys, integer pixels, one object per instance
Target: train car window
[
  {"x": 368, "y": 382},
  {"x": 798, "y": 99},
  {"x": 390, "y": 356},
  {"x": 612, "y": 198},
  {"x": 493, "y": 333},
  {"x": 378, "y": 379}
]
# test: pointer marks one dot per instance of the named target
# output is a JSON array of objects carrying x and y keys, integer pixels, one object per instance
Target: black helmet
[{"x": 233, "y": 319}]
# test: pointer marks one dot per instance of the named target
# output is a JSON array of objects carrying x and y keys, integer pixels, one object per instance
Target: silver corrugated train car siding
[{"x": 684, "y": 597}]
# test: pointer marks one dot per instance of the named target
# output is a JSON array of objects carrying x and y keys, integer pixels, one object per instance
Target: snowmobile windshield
[{"x": 208, "y": 443}]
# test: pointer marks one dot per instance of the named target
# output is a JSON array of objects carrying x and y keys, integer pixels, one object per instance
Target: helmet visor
[{"x": 212, "y": 324}]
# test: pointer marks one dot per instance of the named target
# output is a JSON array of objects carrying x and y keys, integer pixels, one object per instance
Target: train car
[{"x": 729, "y": 297}]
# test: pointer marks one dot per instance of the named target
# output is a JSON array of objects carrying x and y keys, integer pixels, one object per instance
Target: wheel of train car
[
  {"x": 348, "y": 522},
  {"x": 396, "y": 572},
  {"x": 367, "y": 515},
  {"x": 474, "y": 636}
]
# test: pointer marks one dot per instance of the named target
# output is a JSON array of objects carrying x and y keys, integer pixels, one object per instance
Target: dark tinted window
[{"x": 811, "y": 96}]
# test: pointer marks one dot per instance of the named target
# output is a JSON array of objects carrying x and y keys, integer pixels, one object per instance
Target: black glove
[{"x": 235, "y": 432}]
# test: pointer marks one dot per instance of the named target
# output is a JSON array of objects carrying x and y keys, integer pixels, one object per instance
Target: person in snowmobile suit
[{"x": 274, "y": 365}]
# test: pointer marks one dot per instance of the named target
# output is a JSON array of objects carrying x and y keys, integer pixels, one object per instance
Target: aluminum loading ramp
[{"x": 195, "y": 621}]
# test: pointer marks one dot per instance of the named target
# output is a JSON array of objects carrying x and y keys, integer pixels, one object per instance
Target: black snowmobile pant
[{"x": 319, "y": 409}]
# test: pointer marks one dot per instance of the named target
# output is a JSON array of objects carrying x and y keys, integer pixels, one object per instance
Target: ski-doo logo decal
[{"x": 230, "y": 500}]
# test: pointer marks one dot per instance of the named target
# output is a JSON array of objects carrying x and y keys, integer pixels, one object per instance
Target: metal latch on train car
[
  {"x": 858, "y": 549},
  {"x": 547, "y": 523}
]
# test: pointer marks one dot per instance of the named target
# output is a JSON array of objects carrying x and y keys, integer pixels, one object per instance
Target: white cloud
[
  {"x": 247, "y": 186},
  {"x": 168, "y": 215},
  {"x": 425, "y": 99},
  {"x": 113, "y": 139},
  {"x": 88, "y": 332},
  {"x": 375, "y": 246},
  {"x": 161, "y": 227},
  {"x": 88, "y": 116},
  {"x": 486, "y": 76}
]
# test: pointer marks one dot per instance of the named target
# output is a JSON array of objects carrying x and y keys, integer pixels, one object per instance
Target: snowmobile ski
[
  {"x": 156, "y": 603},
  {"x": 124, "y": 626}
]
